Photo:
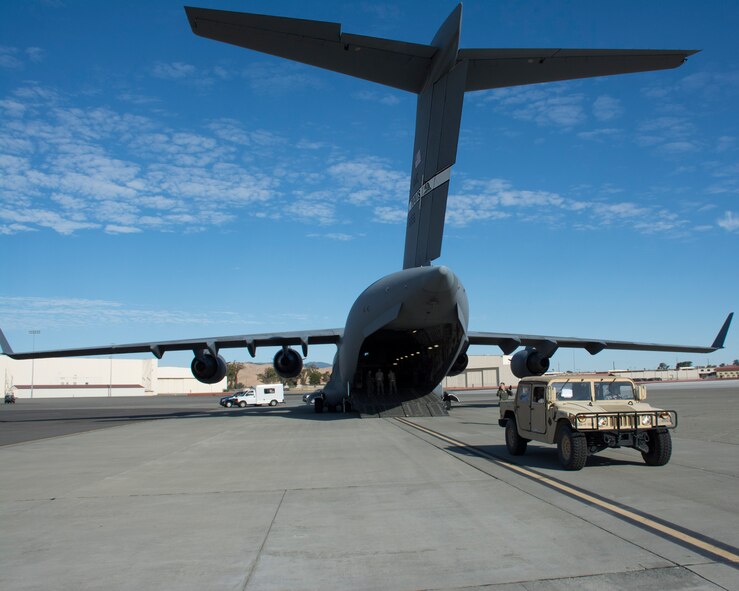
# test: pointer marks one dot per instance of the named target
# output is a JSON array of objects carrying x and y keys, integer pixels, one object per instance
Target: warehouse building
[
  {"x": 85, "y": 377},
  {"x": 78, "y": 377}
]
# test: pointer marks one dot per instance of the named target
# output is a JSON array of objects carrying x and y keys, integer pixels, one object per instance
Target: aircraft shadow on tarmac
[
  {"x": 542, "y": 457},
  {"x": 104, "y": 416}
]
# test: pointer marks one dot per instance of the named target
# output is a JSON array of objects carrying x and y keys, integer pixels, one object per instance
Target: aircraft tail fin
[
  {"x": 440, "y": 73},
  {"x": 438, "y": 117}
]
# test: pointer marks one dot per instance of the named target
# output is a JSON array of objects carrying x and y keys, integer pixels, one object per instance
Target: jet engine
[
  {"x": 288, "y": 363},
  {"x": 208, "y": 369},
  {"x": 459, "y": 365},
  {"x": 529, "y": 362}
]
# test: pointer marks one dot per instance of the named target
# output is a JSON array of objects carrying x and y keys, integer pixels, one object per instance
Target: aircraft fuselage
[{"x": 413, "y": 322}]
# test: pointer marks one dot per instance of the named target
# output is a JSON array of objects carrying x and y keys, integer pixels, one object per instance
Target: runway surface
[{"x": 178, "y": 493}]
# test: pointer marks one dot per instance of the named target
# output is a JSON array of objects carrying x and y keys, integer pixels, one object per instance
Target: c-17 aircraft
[{"x": 413, "y": 321}]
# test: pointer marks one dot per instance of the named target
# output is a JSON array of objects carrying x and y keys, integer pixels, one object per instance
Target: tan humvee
[{"x": 585, "y": 414}]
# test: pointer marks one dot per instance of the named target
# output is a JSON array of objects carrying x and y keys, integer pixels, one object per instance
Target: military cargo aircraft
[{"x": 412, "y": 322}]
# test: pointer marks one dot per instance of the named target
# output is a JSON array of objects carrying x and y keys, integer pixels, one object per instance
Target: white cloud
[
  {"x": 47, "y": 313},
  {"x": 279, "y": 77},
  {"x": 390, "y": 215},
  {"x": 72, "y": 169},
  {"x": 333, "y": 236},
  {"x": 669, "y": 135},
  {"x": 492, "y": 199},
  {"x": 729, "y": 222},
  {"x": 384, "y": 98},
  {"x": 115, "y": 229},
  {"x": 9, "y": 58},
  {"x": 544, "y": 105},
  {"x": 173, "y": 71},
  {"x": 369, "y": 180},
  {"x": 725, "y": 143},
  {"x": 35, "y": 54},
  {"x": 602, "y": 134},
  {"x": 312, "y": 212},
  {"x": 606, "y": 108}
]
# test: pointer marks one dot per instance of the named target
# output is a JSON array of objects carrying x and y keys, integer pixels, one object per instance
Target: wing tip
[
  {"x": 718, "y": 342},
  {"x": 4, "y": 345}
]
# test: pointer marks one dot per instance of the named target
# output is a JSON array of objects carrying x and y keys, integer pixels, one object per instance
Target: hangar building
[
  {"x": 84, "y": 377},
  {"x": 105, "y": 376}
]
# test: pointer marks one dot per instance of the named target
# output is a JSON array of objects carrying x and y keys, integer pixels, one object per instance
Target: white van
[{"x": 263, "y": 394}]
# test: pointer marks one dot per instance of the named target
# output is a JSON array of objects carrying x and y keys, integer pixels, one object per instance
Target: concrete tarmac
[{"x": 178, "y": 493}]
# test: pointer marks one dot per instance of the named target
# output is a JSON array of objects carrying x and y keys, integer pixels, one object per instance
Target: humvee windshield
[
  {"x": 614, "y": 391},
  {"x": 572, "y": 390}
]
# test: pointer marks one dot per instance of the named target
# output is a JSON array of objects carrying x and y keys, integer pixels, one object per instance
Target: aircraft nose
[{"x": 440, "y": 279}]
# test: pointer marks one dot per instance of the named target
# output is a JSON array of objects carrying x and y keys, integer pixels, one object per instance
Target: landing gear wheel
[
  {"x": 331, "y": 408},
  {"x": 273, "y": 403},
  {"x": 572, "y": 448},
  {"x": 513, "y": 441},
  {"x": 242, "y": 404},
  {"x": 318, "y": 405},
  {"x": 660, "y": 448}
]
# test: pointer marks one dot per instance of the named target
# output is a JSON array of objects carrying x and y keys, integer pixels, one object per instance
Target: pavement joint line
[
  {"x": 264, "y": 542},
  {"x": 568, "y": 578},
  {"x": 706, "y": 546}
]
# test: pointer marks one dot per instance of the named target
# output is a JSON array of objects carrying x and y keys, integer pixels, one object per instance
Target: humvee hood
[
  {"x": 618, "y": 406},
  {"x": 578, "y": 407}
]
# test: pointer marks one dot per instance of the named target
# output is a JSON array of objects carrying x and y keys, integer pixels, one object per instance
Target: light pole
[
  {"x": 110, "y": 377},
  {"x": 33, "y": 334}
]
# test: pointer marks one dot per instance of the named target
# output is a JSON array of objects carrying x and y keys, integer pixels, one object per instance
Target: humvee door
[{"x": 531, "y": 407}]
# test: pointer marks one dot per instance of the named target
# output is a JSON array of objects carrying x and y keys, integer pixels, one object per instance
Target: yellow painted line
[{"x": 610, "y": 507}]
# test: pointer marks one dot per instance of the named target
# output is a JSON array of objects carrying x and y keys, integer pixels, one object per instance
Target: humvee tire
[
  {"x": 660, "y": 448},
  {"x": 513, "y": 441},
  {"x": 572, "y": 448}
]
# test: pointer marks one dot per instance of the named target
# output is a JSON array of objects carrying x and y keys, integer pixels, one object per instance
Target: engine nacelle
[
  {"x": 209, "y": 369},
  {"x": 529, "y": 362},
  {"x": 459, "y": 365},
  {"x": 288, "y": 363}
]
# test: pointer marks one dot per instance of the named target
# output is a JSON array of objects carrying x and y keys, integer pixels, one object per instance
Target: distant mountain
[{"x": 319, "y": 364}]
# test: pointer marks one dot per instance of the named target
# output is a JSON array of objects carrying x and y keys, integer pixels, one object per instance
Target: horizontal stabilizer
[
  {"x": 496, "y": 68},
  {"x": 392, "y": 63}
]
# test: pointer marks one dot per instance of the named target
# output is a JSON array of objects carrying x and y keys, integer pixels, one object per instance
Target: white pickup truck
[{"x": 271, "y": 394}]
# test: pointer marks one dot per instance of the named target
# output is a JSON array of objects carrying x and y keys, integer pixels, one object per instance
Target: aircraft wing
[
  {"x": 331, "y": 336},
  {"x": 496, "y": 68},
  {"x": 510, "y": 342}
]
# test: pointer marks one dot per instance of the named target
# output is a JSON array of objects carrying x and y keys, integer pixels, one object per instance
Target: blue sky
[{"x": 156, "y": 185}]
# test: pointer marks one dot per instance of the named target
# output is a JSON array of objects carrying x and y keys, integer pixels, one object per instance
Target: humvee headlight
[
  {"x": 602, "y": 421},
  {"x": 646, "y": 420},
  {"x": 580, "y": 419}
]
